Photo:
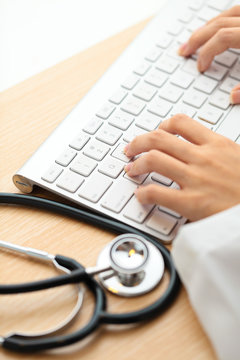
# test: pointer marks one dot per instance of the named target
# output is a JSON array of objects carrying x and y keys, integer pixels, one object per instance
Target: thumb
[{"x": 235, "y": 95}]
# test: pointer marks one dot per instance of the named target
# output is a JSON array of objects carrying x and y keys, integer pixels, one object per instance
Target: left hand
[
  {"x": 206, "y": 167},
  {"x": 216, "y": 36}
]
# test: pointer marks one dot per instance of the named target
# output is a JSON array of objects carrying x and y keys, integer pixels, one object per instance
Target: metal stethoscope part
[
  {"x": 130, "y": 265},
  {"x": 44, "y": 256},
  {"x": 136, "y": 266},
  {"x": 127, "y": 266}
]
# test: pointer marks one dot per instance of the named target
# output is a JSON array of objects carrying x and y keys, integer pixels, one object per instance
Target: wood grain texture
[{"x": 28, "y": 114}]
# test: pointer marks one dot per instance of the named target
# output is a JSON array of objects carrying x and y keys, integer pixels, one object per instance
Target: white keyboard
[{"x": 83, "y": 158}]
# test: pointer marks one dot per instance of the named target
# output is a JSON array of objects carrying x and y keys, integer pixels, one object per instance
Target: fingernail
[
  {"x": 125, "y": 150},
  {"x": 235, "y": 97},
  {"x": 136, "y": 191},
  {"x": 201, "y": 65},
  {"x": 128, "y": 167},
  {"x": 184, "y": 49}
]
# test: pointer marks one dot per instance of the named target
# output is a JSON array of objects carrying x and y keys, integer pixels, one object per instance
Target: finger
[
  {"x": 221, "y": 41},
  {"x": 233, "y": 11},
  {"x": 188, "y": 128},
  {"x": 159, "y": 162},
  {"x": 161, "y": 195},
  {"x": 202, "y": 35},
  {"x": 162, "y": 141},
  {"x": 235, "y": 95}
]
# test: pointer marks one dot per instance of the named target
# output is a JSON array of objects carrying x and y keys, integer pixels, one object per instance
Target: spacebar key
[{"x": 119, "y": 194}]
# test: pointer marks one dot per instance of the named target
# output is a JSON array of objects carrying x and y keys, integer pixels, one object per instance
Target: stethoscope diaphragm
[{"x": 137, "y": 266}]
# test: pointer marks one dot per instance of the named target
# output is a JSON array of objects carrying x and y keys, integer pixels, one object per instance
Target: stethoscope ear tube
[
  {"x": 100, "y": 315},
  {"x": 23, "y": 344}
]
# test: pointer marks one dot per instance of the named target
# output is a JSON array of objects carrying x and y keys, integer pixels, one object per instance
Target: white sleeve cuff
[{"x": 207, "y": 256}]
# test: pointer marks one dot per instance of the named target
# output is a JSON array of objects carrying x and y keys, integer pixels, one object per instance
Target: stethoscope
[{"x": 132, "y": 264}]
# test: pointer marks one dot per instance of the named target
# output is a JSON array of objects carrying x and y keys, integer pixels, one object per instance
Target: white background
[{"x": 36, "y": 34}]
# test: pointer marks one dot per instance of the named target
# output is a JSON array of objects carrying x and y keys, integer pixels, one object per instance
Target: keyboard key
[
  {"x": 83, "y": 165},
  {"x": 182, "y": 79},
  {"x": 121, "y": 120},
  {"x": 220, "y": 99},
  {"x": 167, "y": 64},
  {"x": 186, "y": 16},
  {"x": 173, "y": 52},
  {"x": 207, "y": 13},
  {"x": 205, "y": 84},
  {"x": 170, "y": 212},
  {"x": 184, "y": 36},
  {"x": 164, "y": 41},
  {"x": 142, "y": 68},
  {"x": 190, "y": 67},
  {"x": 228, "y": 84},
  {"x": 92, "y": 126},
  {"x": 111, "y": 167},
  {"x": 119, "y": 194},
  {"x": 161, "y": 222},
  {"x": 118, "y": 153},
  {"x": 156, "y": 78},
  {"x": 106, "y": 111},
  {"x": 218, "y": 4},
  {"x": 130, "y": 82},
  {"x": 159, "y": 107},
  {"x": 133, "y": 106},
  {"x": 139, "y": 179},
  {"x": 216, "y": 71},
  {"x": 118, "y": 96},
  {"x": 195, "y": 4},
  {"x": 175, "y": 28},
  {"x": 95, "y": 187},
  {"x": 194, "y": 98},
  {"x": 210, "y": 114},
  {"x": 195, "y": 24},
  {"x": 79, "y": 141},
  {"x": 153, "y": 54},
  {"x": 108, "y": 134},
  {"x": 161, "y": 179},
  {"x": 170, "y": 92},
  {"x": 226, "y": 58},
  {"x": 70, "y": 181},
  {"x": 132, "y": 133},
  {"x": 52, "y": 173},
  {"x": 182, "y": 108},
  {"x": 235, "y": 51},
  {"x": 66, "y": 157},
  {"x": 137, "y": 212},
  {"x": 96, "y": 150},
  {"x": 235, "y": 72},
  {"x": 148, "y": 121},
  {"x": 144, "y": 91}
]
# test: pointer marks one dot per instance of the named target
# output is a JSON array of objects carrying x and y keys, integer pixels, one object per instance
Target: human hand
[
  {"x": 217, "y": 35},
  {"x": 206, "y": 167}
]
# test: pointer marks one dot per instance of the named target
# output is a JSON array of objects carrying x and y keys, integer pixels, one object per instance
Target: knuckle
[
  {"x": 150, "y": 193},
  {"x": 219, "y": 22},
  {"x": 236, "y": 9},
  {"x": 222, "y": 141},
  {"x": 225, "y": 35},
  {"x": 176, "y": 121},
  {"x": 154, "y": 135},
  {"x": 151, "y": 158}
]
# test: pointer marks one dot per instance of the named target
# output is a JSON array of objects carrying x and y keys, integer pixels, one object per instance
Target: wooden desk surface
[{"x": 28, "y": 113}]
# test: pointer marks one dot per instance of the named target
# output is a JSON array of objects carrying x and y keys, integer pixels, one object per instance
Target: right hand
[{"x": 216, "y": 36}]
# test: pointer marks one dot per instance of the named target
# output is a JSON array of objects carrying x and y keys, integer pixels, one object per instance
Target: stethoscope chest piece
[{"x": 137, "y": 266}]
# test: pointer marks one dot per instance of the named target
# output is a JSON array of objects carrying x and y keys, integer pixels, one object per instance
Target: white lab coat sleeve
[{"x": 207, "y": 256}]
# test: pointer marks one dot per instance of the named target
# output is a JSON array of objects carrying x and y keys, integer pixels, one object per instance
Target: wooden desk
[{"x": 28, "y": 113}]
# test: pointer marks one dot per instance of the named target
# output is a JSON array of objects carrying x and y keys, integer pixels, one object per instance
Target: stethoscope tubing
[{"x": 78, "y": 274}]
